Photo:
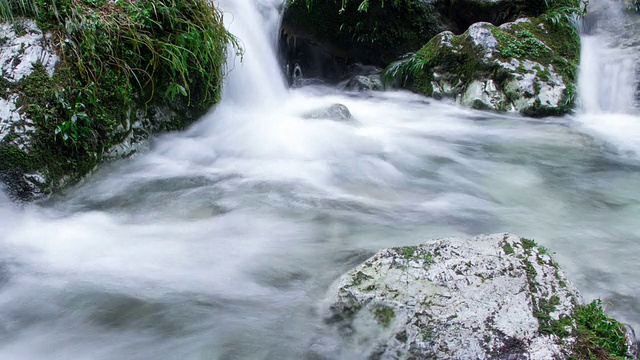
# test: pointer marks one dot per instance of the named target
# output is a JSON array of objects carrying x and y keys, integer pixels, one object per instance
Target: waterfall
[
  {"x": 607, "y": 84},
  {"x": 255, "y": 78},
  {"x": 607, "y": 70},
  {"x": 607, "y": 78}
]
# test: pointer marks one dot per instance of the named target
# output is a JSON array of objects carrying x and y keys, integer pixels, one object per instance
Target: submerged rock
[
  {"x": 337, "y": 112},
  {"x": 489, "y": 297}
]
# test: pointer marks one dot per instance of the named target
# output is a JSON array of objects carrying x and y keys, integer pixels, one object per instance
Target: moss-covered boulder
[
  {"x": 495, "y": 296},
  {"x": 529, "y": 65},
  {"x": 88, "y": 80}
]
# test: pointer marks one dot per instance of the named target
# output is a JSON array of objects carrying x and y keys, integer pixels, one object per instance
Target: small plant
[
  {"x": 401, "y": 71},
  {"x": 562, "y": 12},
  {"x": 598, "y": 336},
  {"x": 408, "y": 251}
]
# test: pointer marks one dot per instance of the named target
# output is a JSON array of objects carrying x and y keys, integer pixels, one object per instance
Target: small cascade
[
  {"x": 607, "y": 79},
  {"x": 255, "y": 78}
]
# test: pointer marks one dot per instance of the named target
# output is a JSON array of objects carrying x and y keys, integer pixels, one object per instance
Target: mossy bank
[{"x": 89, "y": 80}]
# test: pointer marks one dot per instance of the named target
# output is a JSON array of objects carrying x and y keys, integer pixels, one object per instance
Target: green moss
[
  {"x": 408, "y": 251},
  {"x": 507, "y": 248},
  {"x": 519, "y": 44},
  {"x": 416, "y": 72},
  {"x": 116, "y": 56},
  {"x": 587, "y": 331},
  {"x": 428, "y": 260},
  {"x": 360, "y": 277},
  {"x": 528, "y": 244},
  {"x": 384, "y": 315}
]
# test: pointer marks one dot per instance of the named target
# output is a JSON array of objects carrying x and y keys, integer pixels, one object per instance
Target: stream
[{"x": 222, "y": 241}]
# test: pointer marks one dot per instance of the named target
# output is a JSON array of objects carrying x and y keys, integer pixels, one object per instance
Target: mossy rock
[
  {"x": 529, "y": 65},
  {"x": 122, "y": 70},
  {"x": 323, "y": 37}
]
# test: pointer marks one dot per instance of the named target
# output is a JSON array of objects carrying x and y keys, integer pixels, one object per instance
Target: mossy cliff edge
[{"x": 89, "y": 80}]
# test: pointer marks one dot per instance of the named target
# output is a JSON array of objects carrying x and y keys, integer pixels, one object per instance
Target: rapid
[{"x": 222, "y": 241}]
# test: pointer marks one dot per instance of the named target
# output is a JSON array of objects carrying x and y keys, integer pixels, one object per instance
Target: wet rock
[
  {"x": 489, "y": 297},
  {"x": 337, "y": 112},
  {"x": 365, "y": 83},
  {"x": 324, "y": 38},
  {"x": 325, "y": 41},
  {"x": 527, "y": 66}
]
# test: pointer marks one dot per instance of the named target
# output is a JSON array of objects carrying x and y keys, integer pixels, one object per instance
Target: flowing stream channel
[{"x": 222, "y": 241}]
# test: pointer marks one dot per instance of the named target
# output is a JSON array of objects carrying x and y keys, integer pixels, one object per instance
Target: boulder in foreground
[{"x": 490, "y": 297}]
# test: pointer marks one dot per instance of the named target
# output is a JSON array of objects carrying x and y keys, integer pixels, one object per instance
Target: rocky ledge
[{"x": 490, "y": 297}]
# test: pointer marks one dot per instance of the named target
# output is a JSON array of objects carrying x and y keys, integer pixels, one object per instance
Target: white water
[
  {"x": 222, "y": 241},
  {"x": 607, "y": 80}
]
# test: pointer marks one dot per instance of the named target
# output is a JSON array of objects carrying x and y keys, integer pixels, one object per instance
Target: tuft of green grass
[
  {"x": 11, "y": 8},
  {"x": 598, "y": 336}
]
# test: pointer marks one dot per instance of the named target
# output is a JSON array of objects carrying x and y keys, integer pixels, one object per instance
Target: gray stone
[
  {"x": 337, "y": 112},
  {"x": 365, "y": 83},
  {"x": 455, "y": 298}
]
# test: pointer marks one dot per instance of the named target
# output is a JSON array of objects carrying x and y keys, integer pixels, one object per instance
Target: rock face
[
  {"x": 324, "y": 41},
  {"x": 29, "y": 62},
  {"x": 490, "y": 297},
  {"x": 528, "y": 66}
]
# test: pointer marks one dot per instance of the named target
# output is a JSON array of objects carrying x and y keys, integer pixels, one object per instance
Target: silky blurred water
[{"x": 222, "y": 241}]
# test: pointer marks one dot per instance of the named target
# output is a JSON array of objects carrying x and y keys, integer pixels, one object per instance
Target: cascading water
[
  {"x": 607, "y": 81},
  {"x": 257, "y": 78},
  {"x": 223, "y": 241}
]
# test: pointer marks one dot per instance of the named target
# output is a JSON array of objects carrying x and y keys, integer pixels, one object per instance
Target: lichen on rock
[{"x": 489, "y": 297}]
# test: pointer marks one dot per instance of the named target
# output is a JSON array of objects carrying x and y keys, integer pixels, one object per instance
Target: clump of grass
[
  {"x": 598, "y": 336},
  {"x": 11, "y": 8}
]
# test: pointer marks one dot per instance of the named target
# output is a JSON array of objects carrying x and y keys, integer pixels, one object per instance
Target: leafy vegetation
[
  {"x": 117, "y": 56},
  {"x": 598, "y": 336}
]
